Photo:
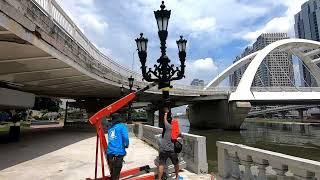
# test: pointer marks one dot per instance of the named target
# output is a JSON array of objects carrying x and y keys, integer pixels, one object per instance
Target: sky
[{"x": 216, "y": 30}]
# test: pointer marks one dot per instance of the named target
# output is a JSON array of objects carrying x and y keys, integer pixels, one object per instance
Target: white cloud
[
  {"x": 93, "y": 21},
  {"x": 84, "y": 13},
  {"x": 203, "y": 24},
  {"x": 278, "y": 24},
  {"x": 206, "y": 64},
  {"x": 205, "y": 69}
]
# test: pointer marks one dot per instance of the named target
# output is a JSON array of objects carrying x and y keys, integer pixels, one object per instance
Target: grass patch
[{"x": 5, "y": 126}]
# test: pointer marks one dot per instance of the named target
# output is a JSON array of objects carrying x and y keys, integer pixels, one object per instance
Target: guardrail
[
  {"x": 286, "y": 89},
  {"x": 57, "y": 14},
  {"x": 237, "y": 161},
  {"x": 281, "y": 109}
]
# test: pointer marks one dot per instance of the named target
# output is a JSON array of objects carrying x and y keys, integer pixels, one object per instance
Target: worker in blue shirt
[{"x": 118, "y": 141}]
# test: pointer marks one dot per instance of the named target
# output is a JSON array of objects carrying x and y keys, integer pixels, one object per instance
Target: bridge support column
[
  {"x": 150, "y": 117},
  {"x": 300, "y": 111},
  {"x": 219, "y": 114},
  {"x": 283, "y": 114},
  {"x": 65, "y": 114},
  {"x": 150, "y": 109}
]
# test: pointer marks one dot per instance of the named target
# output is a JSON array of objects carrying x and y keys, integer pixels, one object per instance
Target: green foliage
[
  {"x": 139, "y": 114},
  {"x": 47, "y": 104}
]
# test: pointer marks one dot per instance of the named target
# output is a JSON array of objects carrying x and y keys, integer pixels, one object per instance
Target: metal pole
[
  {"x": 96, "y": 162},
  {"x": 66, "y": 114},
  {"x": 166, "y": 103},
  {"x": 129, "y": 110}
]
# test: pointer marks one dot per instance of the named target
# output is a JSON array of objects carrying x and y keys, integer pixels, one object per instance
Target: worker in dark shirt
[{"x": 166, "y": 147}]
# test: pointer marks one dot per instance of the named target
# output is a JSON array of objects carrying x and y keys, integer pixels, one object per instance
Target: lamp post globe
[{"x": 163, "y": 72}]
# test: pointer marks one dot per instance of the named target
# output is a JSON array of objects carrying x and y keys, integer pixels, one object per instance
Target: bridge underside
[{"x": 28, "y": 68}]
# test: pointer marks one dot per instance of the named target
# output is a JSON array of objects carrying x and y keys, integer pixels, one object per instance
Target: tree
[{"x": 45, "y": 103}]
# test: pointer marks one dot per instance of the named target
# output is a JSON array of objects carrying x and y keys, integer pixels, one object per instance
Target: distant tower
[
  {"x": 276, "y": 69},
  {"x": 306, "y": 27},
  {"x": 197, "y": 82}
]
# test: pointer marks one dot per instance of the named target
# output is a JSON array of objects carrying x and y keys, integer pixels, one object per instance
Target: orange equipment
[
  {"x": 101, "y": 139},
  {"x": 175, "y": 131}
]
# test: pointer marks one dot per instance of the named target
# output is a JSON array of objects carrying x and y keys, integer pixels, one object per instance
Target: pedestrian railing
[
  {"x": 285, "y": 89},
  {"x": 58, "y": 15},
  {"x": 237, "y": 161}
]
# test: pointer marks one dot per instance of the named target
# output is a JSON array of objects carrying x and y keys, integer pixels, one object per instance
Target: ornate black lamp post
[
  {"x": 163, "y": 72},
  {"x": 130, "y": 79}
]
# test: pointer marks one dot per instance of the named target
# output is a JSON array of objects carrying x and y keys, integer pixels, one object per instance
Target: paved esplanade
[{"x": 58, "y": 154}]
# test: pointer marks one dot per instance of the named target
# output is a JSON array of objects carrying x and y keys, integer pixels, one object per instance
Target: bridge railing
[
  {"x": 238, "y": 161},
  {"x": 189, "y": 90},
  {"x": 120, "y": 73},
  {"x": 286, "y": 89},
  {"x": 58, "y": 15}
]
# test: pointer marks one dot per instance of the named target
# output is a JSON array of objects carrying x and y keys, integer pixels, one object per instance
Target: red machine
[{"x": 96, "y": 120}]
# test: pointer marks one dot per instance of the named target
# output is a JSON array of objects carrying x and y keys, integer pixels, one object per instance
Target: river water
[{"x": 300, "y": 140}]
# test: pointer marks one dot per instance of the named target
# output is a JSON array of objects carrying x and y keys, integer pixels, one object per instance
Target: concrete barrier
[
  {"x": 237, "y": 161},
  {"x": 194, "y": 146}
]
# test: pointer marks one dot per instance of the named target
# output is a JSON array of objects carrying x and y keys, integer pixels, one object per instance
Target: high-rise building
[
  {"x": 306, "y": 27},
  {"x": 275, "y": 70},
  {"x": 197, "y": 82},
  {"x": 234, "y": 79}
]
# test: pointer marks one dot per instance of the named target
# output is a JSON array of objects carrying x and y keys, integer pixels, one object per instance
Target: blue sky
[{"x": 216, "y": 30}]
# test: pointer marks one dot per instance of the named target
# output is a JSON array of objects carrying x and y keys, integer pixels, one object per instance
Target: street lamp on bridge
[
  {"x": 163, "y": 72},
  {"x": 121, "y": 91},
  {"x": 130, "y": 79}
]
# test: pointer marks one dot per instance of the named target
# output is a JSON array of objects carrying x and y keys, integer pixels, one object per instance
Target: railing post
[
  {"x": 262, "y": 165},
  {"x": 50, "y": 9},
  {"x": 247, "y": 162},
  {"x": 140, "y": 131},
  {"x": 235, "y": 162},
  {"x": 280, "y": 169},
  {"x": 235, "y": 169},
  {"x": 301, "y": 173},
  {"x": 224, "y": 162}
]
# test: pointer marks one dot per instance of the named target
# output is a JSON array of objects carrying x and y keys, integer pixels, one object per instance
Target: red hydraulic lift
[{"x": 102, "y": 142}]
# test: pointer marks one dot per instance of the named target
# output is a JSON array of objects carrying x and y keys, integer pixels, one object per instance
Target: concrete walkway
[{"x": 74, "y": 159}]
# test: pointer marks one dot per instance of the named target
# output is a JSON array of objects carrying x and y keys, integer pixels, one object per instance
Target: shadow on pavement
[{"x": 37, "y": 142}]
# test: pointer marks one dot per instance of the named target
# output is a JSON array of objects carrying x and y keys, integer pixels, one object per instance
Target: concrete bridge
[{"x": 43, "y": 52}]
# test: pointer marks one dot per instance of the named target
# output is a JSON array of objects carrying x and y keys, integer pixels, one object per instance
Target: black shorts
[
  {"x": 163, "y": 156},
  {"x": 115, "y": 165}
]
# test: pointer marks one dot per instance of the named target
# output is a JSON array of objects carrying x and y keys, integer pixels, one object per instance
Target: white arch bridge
[
  {"x": 306, "y": 50},
  {"x": 239, "y": 101}
]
